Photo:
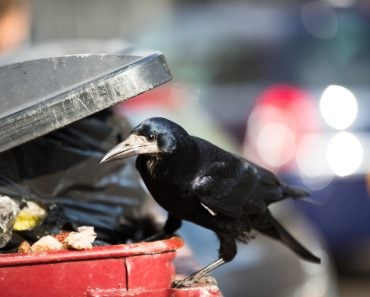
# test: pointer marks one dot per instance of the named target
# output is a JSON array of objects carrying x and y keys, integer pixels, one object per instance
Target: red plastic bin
[{"x": 142, "y": 269}]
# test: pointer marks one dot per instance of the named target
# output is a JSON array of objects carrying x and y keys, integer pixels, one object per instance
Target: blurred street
[{"x": 283, "y": 83}]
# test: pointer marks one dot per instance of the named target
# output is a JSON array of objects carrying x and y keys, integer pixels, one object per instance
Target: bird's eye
[{"x": 151, "y": 137}]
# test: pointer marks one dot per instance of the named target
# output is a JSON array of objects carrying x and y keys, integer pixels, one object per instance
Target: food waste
[
  {"x": 44, "y": 224},
  {"x": 80, "y": 240}
]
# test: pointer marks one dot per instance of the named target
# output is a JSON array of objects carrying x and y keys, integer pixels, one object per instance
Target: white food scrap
[
  {"x": 82, "y": 239},
  {"x": 47, "y": 243}
]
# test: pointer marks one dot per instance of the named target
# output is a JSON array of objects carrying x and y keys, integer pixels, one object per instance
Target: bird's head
[{"x": 154, "y": 136}]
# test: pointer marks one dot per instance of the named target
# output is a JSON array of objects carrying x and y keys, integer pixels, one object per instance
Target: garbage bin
[{"x": 40, "y": 97}]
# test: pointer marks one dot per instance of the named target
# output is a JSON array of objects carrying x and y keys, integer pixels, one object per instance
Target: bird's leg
[
  {"x": 226, "y": 254},
  {"x": 172, "y": 224}
]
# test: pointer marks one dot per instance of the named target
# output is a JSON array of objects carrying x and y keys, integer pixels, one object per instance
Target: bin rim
[{"x": 96, "y": 253}]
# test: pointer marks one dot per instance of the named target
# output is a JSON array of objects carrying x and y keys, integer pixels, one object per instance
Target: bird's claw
[
  {"x": 183, "y": 283},
  {"x": 194, "y": 279}
]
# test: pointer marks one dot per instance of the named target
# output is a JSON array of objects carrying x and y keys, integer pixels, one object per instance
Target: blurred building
[{"x": 65, "y": 19}]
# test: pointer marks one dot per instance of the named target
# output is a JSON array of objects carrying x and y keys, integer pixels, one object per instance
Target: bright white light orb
[
  {"x": 344, "y": 153},
  {"x": 338, "y": 107}
]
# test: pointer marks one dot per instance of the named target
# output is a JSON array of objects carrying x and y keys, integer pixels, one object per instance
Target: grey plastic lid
[{"x": 40, "y": 96}]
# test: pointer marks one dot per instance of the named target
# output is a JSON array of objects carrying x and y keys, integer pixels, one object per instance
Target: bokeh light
[
  {"x": 283, "y": 114},
  {"x": 276, "y": 144},
  {"x": 311, "y": 159},
  {"x": 311, "y": 156},
  {"x": 344, "y": 153},
  {"x": 319, "y": 19},
  {"x": 338, "y": 106}
]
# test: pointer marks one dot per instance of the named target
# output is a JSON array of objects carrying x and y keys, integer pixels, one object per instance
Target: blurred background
[{"x": 284, "y": 83}]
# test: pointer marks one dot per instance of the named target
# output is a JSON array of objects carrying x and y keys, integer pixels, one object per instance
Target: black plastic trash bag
[{"x": 62, "y": 170}]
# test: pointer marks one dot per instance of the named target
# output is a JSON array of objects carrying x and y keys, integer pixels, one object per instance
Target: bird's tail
[
  {"x": 267, "y": 225},
  {"x": 299, "y": 193},
  {"x": 294, "y": 192}
]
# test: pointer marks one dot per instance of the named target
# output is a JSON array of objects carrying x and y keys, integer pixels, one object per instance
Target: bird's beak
[{"x": 133, "y": 145}]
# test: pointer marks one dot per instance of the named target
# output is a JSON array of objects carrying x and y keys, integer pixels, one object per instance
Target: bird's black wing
[{"x": 227, "y": 188}]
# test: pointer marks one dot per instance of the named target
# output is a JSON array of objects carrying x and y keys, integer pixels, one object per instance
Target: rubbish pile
[
  {"x": 55, "y": 194},
  {"x": 29, "y": 217}
]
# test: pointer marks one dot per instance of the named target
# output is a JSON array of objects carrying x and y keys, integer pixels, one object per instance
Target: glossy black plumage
[{"x": 197, "y": 181}]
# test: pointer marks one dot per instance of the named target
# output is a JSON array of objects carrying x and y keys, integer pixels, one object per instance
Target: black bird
[{"x": 197, "y": 181}]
